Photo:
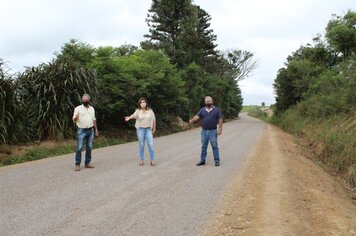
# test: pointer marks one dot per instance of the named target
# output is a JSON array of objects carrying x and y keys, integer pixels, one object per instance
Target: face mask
[
  {"x": 209, "y": 105},
  {"x": 86, "y": 104}
]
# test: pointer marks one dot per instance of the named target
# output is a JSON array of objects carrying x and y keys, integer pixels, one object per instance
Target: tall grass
[
  {"x": 256, "y": 111},
  {"x": 332, "y": 139}
]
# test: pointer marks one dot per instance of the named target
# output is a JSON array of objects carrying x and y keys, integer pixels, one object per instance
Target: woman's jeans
[
  {"x": 86, "y": 135},
  {"x": 212, "y": 136},
  {"x": 145, "y": 134}
]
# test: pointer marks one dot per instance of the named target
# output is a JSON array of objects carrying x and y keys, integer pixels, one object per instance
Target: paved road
[{"x": 118, "y": 197}]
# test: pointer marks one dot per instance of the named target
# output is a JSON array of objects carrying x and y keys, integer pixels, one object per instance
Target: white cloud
[{"x": 254, "y": 92}]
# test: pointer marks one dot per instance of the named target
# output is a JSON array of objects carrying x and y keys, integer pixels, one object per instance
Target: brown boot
[
  {"x": 89, "y": 166},
  {"x": 77, "y": 168}
]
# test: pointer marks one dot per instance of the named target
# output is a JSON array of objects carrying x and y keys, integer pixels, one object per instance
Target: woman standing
[{"x": 145, "y": 128}]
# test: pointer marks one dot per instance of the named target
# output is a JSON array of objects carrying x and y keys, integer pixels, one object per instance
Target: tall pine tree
[
  {"x": 166, "y": 20},
  {"x": 199, "y": 43},
  {"x": 181, "y": 29}
]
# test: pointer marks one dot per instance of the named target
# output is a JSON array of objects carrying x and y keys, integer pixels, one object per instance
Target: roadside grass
[
  {"x": 331, "y": 140},
  {"x": 258, "y": 112},
  {"x": 37, "y": 153},
  {"x": 248, "y": 108}
]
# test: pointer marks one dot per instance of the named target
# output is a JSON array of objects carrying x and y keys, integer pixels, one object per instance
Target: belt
[
  {"x": 87, "y": 128},
  {"x": 209, "y": 129}
]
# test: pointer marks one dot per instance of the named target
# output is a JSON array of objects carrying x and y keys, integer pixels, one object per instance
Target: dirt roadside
[{"x": 277, "y": 191}]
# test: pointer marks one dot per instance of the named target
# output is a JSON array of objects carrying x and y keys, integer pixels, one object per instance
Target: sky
[{"x": 33, "y": 30}]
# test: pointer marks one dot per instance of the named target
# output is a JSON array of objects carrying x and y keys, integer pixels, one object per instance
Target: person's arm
[
  {"x": 127, "y": 118},
  {"x": 220, "y": 126},
  {"x": 154, "y": 126},
  {"x": 96, "y": 131},
  {"x": 133, "y": 116},
  {"x": 194, "y": 119},
  {"x": 154, "y": 122},
  {"x": 75, "y": 115}
]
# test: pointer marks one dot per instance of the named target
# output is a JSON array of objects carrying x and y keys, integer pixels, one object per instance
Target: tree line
[
  {"x": 316, "y": 96},
  {"x": 319, "y": 79},
  {"x": 175, "y": 67}
]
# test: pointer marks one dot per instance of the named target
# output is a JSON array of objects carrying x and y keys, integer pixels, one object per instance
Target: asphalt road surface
[{"x": 119, "y": 197}]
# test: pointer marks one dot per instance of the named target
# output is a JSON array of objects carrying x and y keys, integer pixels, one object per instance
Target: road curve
[{"x": 118, "y": 197}]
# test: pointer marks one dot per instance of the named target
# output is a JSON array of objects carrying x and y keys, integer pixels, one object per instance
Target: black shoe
[
  {"x": 217, "y": 163},
  {"x": 201, "y": 163}
]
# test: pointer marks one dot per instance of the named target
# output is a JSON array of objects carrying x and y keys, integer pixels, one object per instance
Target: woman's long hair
[{"x": 139, "y": 102}]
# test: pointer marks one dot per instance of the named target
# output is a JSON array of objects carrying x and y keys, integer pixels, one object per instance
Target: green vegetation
[
  {"x": 174, "y": 68},
  {"x": 331, "y": 140},
  {"x": 248, "y": 108},
  {"x": 36, "y": 154},
  {"x": 259, "y": 112},
  {"x": 316, "y": 96}
]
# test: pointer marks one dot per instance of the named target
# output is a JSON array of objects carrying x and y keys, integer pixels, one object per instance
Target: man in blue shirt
[{"x": 210, "y": 117}]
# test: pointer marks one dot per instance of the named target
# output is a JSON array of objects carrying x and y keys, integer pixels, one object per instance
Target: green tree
[
  {"x": 304, "y": 67},
  {"x": 225, "y": 91},
  {"x": 167, "y": 20},
  {"x": 292, "y": 82},
  {"x": 319, "y": 53},
  {"x": 198, "y": 40},
  {"x": 194, "y": 88},
  {"x": 341, "y": 33},
  {"x": 123, "y": 80},
  {"x": 231, "y": 102},
  {"x": 112, "y": 52},
  {"x": 76, "y": 52},
  {"x": 182, "y": 31}
]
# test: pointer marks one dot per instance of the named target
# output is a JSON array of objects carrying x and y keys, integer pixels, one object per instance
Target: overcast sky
[{"x": 33, "y": 30}]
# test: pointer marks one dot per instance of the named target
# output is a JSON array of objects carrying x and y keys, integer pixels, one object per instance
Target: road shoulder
[{"x": 278, "y": 191}]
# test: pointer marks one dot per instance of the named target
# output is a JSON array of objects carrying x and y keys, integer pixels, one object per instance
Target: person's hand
[
  {"x": 96, "y": 133},
  {"x": 190, "y": 121},
  {"x": 219, "y": 131},
  {"x": 153, "y": 131},
  {"x": 127, "y": 118}
]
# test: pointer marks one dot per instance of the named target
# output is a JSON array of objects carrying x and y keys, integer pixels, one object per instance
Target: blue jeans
[
  {"x": 145, "y": 134},
  {"x": 212, "y": 136},
  {"x": 86, "y": 135}
]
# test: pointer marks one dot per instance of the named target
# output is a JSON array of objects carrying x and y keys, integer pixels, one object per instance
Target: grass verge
[
  {"x": 258, "y": 112},
  {"x": 331, "y": 140}
]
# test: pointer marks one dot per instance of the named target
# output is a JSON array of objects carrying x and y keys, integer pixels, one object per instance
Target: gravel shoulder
[{"x": 280, "y": 192}]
